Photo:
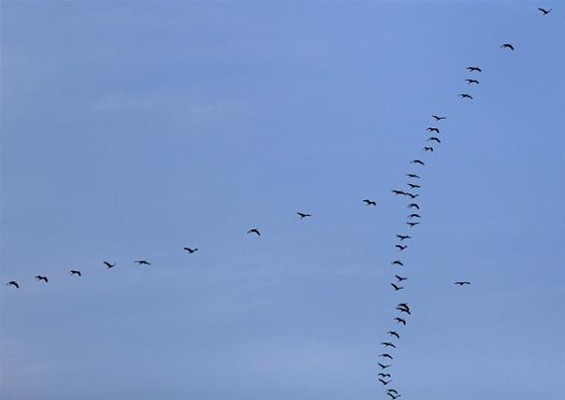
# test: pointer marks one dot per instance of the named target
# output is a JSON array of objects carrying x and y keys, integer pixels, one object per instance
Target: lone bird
[
  {"x": 383, "y": 366},
  {"x": 474, "y": 69},
  {"x": 413, "y": 185},
  {"x": 13, "y": 283},
  {"x": 142, "y": 262},
  {"x": 400, "y": 320},
  {"x": 189, "y": 250},
  {"x": 403, "y": 237},
  {"x": 465, "y": 96},
  {"x": 461, "y": 283},
  {"x": 427, "y": 148},
  {"x": 401, "y": 278},
  {"x": 544, "y": 11},
  {"x": 370, "y": 202},
  {"x": 108, "y": 265},
  {"x": 384, "y": 382},
  {"x": 42, "y": 278},
  {"x": 431, "y": 129},
  {"x": 433, "y": 139},
  {"x": 397, "y": 262},
  {"x": 397, "y": 288},
  {"x": 438, "y": 118},
  {"x": 417, "y": 162},
  {"x": 393, "y": 333},
  {"x": 303, "y": 215},
  {"x": 470, "y": 81},
  {"x": 386, "y": 355},
  {"x": 388, "y": 344},
  {"x": 507, "y": 46},
  {"x": 400, "y": 248},
  {"x": 413, "y": 176},
  {"x": 254, "y": 230},
  {"x": 75, "y": 272},
  {"x": 413, "y": 205}
]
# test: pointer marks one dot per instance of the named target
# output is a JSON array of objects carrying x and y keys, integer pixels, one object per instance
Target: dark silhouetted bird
[
  {"x": 392, "y": 396},
  {"x": 402, "y": 309},
  {"x": 384, "y": 382},
  {"x": 461, "y": 283},
  {"x": 417, "y": 162},
  {"x": 388, "y": 344},
  {"x": 255, "y": 231},
  {"x": 398, "y": 192},
  {"x": 393, "y": 333},
  {"x": 470, "y": 81},
  {"x": 433, "y": 139},
  {"x": 384, "y": 375},
  {"x": 400, "y": 320},
  {"x": 413, "y": 185},
  {"x": 474, "y": 69},
  {"x": 75, "y": 272},
  {"x": 431, "y": 129},
  {"x": 383, "y": 366},
  {"x": 438, "y": 118},
  {"x": 142, "y": 262},
  {"x": 465, "y": 96},
  {"x": 108, "y": 265},
  {"x": 413, "y": 176},
  {"x": 303, "y": 215},
  {"x": 397, "y": 262},
  {"x": 397, "y": 288},
  {"x": 370, "y": 202},
  {"x": 386, "y": 355},
  {"x": 399, "y": 247},
  {"x": 189, "y": 250},
  {"x": 412, "y": 195},
  {"x": 507, "y": 46},
  {"x": 431, "y": 149},
  {"x": 403, "y": 237},
  {"x": 544, "y": 11},
  {"x": 41, "y": 278},
  {"x": 392, "y": 391},
  {"x": 13, "y": 283},
  {"x": 413, "y": 205},
  {"x": 414, "y": 216},
  {"x": 404, "y": 305},
  {"x": 412, "y": 224},
  {"x": 401, "y": 278}
]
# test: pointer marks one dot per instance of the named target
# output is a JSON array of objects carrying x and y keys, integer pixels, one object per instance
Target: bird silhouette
[
  {"x": 384, "y": 382},
  {"x": 75, "y": 272},
  {"x": 392, "y": 391},
  {"x": 401, "y": 278},
  {"x": 470, "y": 81},
  {"x": 396, "y": 288},
  {"x": 13, "y": 283},
  {"x": 397, "y": 262},
  {"x": 413, "y": 205},
  {"x": 438, "y": 118},
  {"x": 303, "y": 215},
  {"x": 433, "y": 139},
  {"x": 108, "y": 265},
  {"x": 142, "y": 262},
  {"x": 461, "y": 283},
  {"x": 474, "y": 69},
  {"x": 412, "y": 195},
  {"x": 465, "y": 96},
  {"x": 255, "y": 231},
  {"x": 403, "y": 237},
  {"x": 544, "y": 11},
  {"x": 386, "y": 355},
  {"x": 404, "y": 305},
  {"x": 431, "y": 129},
  {"x": 42, "y": 278},
  {"x": 414, "y": 216},
  {"x": 402, "y": 309},
  {"x": 413, "y": 176},
  {"x": 427, "y": 148},
  {"x": 413, "y": 185},
  {"x": 393, "y": 333},
  {"x": 400, "y": 320},
  {"x": 393, "y": 397},
  {"x": 388, "y": 344},
  {"x": 400, "y": 248},
  {"x": 398, "y": 192},
  {"x": 190, "y": 250},
  {"x": 383, "y": 366},
  {"x": 384, "y": 375},
  {"x": 417, "y": 162},
  {"x": 370, "y": 202},
  {"x": 507, "y": 46},
  {"x": 412, "y": 224}
]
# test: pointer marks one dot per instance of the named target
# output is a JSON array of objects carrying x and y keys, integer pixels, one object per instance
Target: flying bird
[
  {"x": 413, "y": 205},
  {"x": 383, "y": 366},
  {"x": 397, "y": 262},
  {"x": 398, "y": 192},
  {"x": 465, "y": 96},
  {"x": 403, "y": 237},
  {"x": 433, "y": 139},
  {"x": 254, "y": 230},
  {"x": 402, "y": 309},
  {"x": 438, "y": 118},
  {"x": 397, "y": 288},
  {"x": 392, "y": 395},
  {"x": 42, "y": 278},
  {"x": 470, "y": 81},
  {"x": 413, "y": 176},
  {"x": 142, "y": 262},
  {"x": 431, "y": 129},
  {"x": 393, "y": 333},
  {"x": 400, "y": 320},
  {"x": 413, "y": 185},
  {"x": 108, "y": 265},
  {"x": 384, "y": 375},
  {"x": 417, "y": 162},
  {"x": 189, "y": 250},
  {"x": 461, "y": 283},
  {"x": 75, "y": 272},
  {"x": 412, "y": 195},
  {"x": 401, "y": 278},
  {"x": 388, "y": 344},
  {"x": 392, "y": 391},
  {"x": 13, "y": 283},
  {"x": 429, "y": 149},
  {"x": 384, "y": 382},
  {"x": 370, "y": 202},
  {"x": 303, "y": 215},
  {"x": 400, "y": 248},
  {"x": 414, "y": 216},
  {"x": 474, "y": 69},
  {"x": 386, "y": 355},
  {"x": 507, "y": 46},
  {"x": 412, "y": 224},
  {"x": 404, "y": 305},
  {"x": 544, "y": 11}
]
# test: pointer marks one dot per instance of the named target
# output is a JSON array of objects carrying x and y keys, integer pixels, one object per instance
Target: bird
[
  {"x": 412, "y": 224},
  {"x": 438, "y": 118},
  {"x": 397, "y": 288},
  {"x": 386, "y": 355},
  {"x": 383, "y": 366},
  {"x": 465, "y": 96},
  {"x": 75, "y": 272},
  {"x": 427, "y": 148},
  {"x": 474, "y": 69},
  {"x": 402, "y": 309},
  {"x": 403, "y": 237},
  {"x": 393, "y": 333},
  {"x": 384, "y": 375},
  {"x": 398, "y": 192},
  {"x": 431, "y": 129},
  {"x": 303, "y": 215},
  {"x": 13, "y": 283},
  {"x": 417, "y": 162},
  {"x": 384, "y": 382},
  {"x": 254, "y": 230},
  {"x": 370, "y": 202},
  {"x": 400, "y": 248},
  {"x": 403, "y": 305},
  {"x": 414, "y": 216},
  {"x": 401, "y": 278},
  {"x": 108, "y": 265},
  {"x": 433, "y": 139},
  {"x": 544, "y": 11},
  {"x": 397, "y": 262},
  {"x": 470, "y": 81},
  {"x": 392, "y": 395},
  {"x": 507, "y": 46},
  {"x": 142, "y": 262},
  {"x": 461, "y": 283},
  {"x": 413, "y": 205},
  {"x": 388, "y": 344},
  {"x": 189, "y": 250},
  {"x": 413, "y": 185},
  {"x": 412, "y": 195},
  {"x": 392, "y": 391},
  {"x": 41, "y": 278},
  {"x": 400, "y": 320},
  {"x": 413, "y": 176}
]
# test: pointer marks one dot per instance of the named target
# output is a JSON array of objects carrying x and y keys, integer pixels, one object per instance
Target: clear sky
[{"x": 133, "y": 129}]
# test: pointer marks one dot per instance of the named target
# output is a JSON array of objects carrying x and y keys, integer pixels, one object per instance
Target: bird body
[
  {"x": 470, "y": 81},
  {"x": 142, "y": 262},
  {"x": 438, "y": 118},
  {"x": 465, "y": 96},
  {"x": 42, "y": 278},
  {"x": 108, "y": 265},
  {"x": 190, "y": 250},
  {"x": 383, "y": 366},
  {"x": 386, "y": 355},
  {"x": 13, "y": 283},
  {"x": 412, "y": 195},
  {"x": 397, "y": 262},
  {"x": 303, "y": 215},
  {"x": 400, "y": 320},
  {"x": 413, "y": 176},
  {"x": 398, "y": 192},
  {"x": 388, "y": 344},
  {"x": 384, "y": 382},
  {"x": 75, "y": 272},
  {"x": 414, "y": 216},
  {"x": 417, "y": 162},
  {"x": 370, "y": 202},
  {"x": 255, "y": 231},
  {"x": 413, "y": 185},
  {"x": 403, "y": 237},
  {"x": 400, "y": 247},
  {"x": 397, "y": 288},
  {"x": 433, "y": 139},
  {"x": 431, "y": 129},
  {"x": 474, "y": 69},
  {"x": 413, "y": 224},
  {"x": 400, "y": 278},
  {"x": 544, "y": 11},
  {"x": 413, "y": 205},
  {"x": 461, "y": 283},
  {"x": 393, "y": 333},
  {"x": 427, "y": 148},
  {"x": 507, "y": 46}
]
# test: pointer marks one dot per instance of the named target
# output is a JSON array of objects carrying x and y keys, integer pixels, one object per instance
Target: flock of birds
[{"x": 385, "y": 378}]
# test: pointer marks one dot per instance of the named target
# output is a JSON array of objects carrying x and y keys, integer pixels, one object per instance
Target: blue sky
[{"x": 133, "y": 129}]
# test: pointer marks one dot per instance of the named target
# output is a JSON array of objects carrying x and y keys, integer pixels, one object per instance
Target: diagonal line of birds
[{"x": 413, "y": 220}]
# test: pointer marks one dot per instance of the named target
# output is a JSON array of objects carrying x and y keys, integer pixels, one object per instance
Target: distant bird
[
  {"x": 303, "y": 215},
  {"x": 388, "y": 344},
  {"x": 474, "y": 69},
  {"x": 142, "y": 262},
  {"x": 412, "y": 224},
  {"x": 386, "y": 355},
  {"x": 431, "y": 129},
  {"x": 393, "y": 397},
  {"x": 414, "y": 216},
  {"x": 401, "y": 278},
  {"x": 42, "y": 278},
  {"x": 427, "y": 148},
  {"x": 413, "y": 185},
  {"x": 398, "y": 192},
  {"x": 412, "y": 195},
  {"x": 189, "y": 250},
  {"x": 413, "y": 205},
  {"x": 108, "y": 265},
  {"x": 13, "y": 283},
  {"x": 417, "y": 162},
  {"x": 413, "y": 176},
  {"x": 370, "y": 202},
  {"x": 393, "y": 333},
  {"x": 405, "y": 310},
  {"x": 433, "y": 139},
  {"x": 397, "y": 262},
  {"x": 544, "y": 11},
  {"x": 461, "y": 283},
  {"x": 470, "y": 81},
  {"x": 254, "y": 230},
  {"x": 400, "y": 248},
  {"x": 75, "y": 272},
  {"x": 403, "y": 237},
  {"x": 438, "y": 118},
  {"x": 383, "y": 366},
  {"x": 403, "y": 305},
  {"x": 392, "y": 391},
  {"x": 507, "y": 46},
  {"x": 397, "y": 288},
  {"x": 384, "y": 382},
  {"x": 465, "y": 96},
  {"x": 400, "y": 320},
  {"x": 384, "y": 375}
]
